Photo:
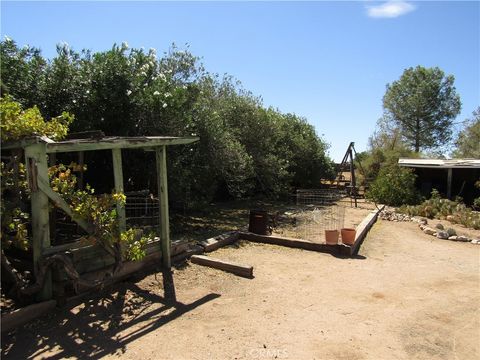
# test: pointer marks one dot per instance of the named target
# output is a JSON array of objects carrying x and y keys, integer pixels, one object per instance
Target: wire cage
[
  {"x": 321, "y": 209},
  {"x": 311, "y": 224}
]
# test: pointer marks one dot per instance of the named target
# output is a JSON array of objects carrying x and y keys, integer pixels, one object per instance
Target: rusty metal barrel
[{"x": 258, "y": 223}]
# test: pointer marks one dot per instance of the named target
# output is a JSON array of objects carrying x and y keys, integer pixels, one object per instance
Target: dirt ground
[{"x": 406, "y": 296}]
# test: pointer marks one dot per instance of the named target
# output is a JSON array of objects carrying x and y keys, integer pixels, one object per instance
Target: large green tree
[
  {"x": 423, "y": 103},
  {"x": 244, "y": 148},
  {"x": 468, "y": 140}
]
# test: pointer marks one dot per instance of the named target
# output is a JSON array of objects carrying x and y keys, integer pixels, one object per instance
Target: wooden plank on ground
[
  {"x": 363, "y": 228},
  {"x": 26, "y": 314},
  {"x": 339, "y": 249},
  {"x": 237, "y": 269},
  {"x": 192, "y": 250},
  {"x": 128, "y": 268},
  {"x": 219, "y": 241}
]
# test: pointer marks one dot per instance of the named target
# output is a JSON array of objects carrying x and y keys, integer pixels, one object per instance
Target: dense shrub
[
  {"x": 394, "y": 186},
  {"x": 244, "y": 148}
]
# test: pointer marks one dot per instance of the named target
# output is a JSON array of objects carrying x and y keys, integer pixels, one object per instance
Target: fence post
[
  {"x": 36, "y": 161},
  {"x": 161, "y": 159},
  {"x": 118, "y": 180}
]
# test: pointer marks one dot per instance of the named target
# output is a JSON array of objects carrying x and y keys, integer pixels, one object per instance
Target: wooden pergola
[{"x": 36, "y": 150}]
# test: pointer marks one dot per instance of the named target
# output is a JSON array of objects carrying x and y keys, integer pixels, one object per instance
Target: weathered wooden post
[
  {"x": 36, "y": 161},
  {"x": 352, "y": 174},
  {"x": 449, "y": 183},
  {"x": 118, "y": 180},
  {"x": 164, "y": 231}
]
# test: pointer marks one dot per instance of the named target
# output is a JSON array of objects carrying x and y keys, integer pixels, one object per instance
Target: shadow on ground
[{"x": 101, "y": 325}]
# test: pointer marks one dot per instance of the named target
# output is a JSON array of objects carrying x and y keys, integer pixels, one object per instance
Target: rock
[
  {"x": 442, "y": 235},
  {"x": 450, "y": 218},
  {"x": 423, "y": 221},
  {"x": 451, "y": 232},
  {"x": 429, "y": 231},
  {"x": 439, "y": 227},
  {"x": 453, "y": 237},
  {"x": 462, "y": 238},
  {"x": 390, "y": 215},
  {"x": 476, "y": 241},
  {"x": 422, "y": 227}
]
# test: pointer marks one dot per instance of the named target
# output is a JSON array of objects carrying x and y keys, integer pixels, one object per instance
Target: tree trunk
[{"x": 417, "y": 136}]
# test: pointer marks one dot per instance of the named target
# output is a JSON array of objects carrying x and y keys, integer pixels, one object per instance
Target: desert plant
[
  {"x": 451, "y": 232},
  {"x": 439, "y": 208}
]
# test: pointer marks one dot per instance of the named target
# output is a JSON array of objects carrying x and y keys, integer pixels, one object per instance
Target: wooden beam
[
  {"x": 363, "y": 228},
  {"x": 81, "y": 163},
  {"x": 62, "y": 204},
  {"x": 118, "y": 179},
  {"x": 237, "y": 269},
  {"x": 116, "y": 143},
  {"x": 339, "y": 249},
  {"x": 20, "y": 144},
  {"x": 26, "y": 314},
  {"x": 164, "y": 231},
  {"x": 219, "y": 241},
  {"x": 37, "y": 168}
]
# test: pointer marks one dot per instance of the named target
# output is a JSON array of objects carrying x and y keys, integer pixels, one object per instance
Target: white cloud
[{"x": 390, "y": 9}]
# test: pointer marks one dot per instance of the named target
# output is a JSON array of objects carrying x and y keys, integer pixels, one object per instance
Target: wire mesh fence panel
[
  {"x": 142, "y": 211},
  {"x": 321, "y": 210},
  {"x": 312, "y": 224},
  {"x": 312, "y": 197}
]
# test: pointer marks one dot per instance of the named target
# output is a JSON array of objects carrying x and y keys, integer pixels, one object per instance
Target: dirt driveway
[{"x": 409, "y": 296}]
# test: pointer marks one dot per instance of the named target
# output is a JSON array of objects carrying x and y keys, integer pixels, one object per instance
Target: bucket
[
  {"x": 258, "y": 222},
  {"x": 331, "y": 237},
  {"x": 348, "y": 236}
]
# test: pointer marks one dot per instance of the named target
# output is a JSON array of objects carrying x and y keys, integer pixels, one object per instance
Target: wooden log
[
  {"x": 28, "y": 313},
  {"x": 192, "y": 250},
  {"x": 237, "y": 269},
  {"x": 128, "y": 268},
  {"x": 339, "y": 249},
  {"x": 178, "y": 247},
  {"x": 363, "y": 228},
  {"x": 219, "y": 241}
]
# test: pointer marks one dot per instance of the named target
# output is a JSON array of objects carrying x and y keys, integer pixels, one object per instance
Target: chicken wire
[
  {"x": 321, "y": 209},
  {"x": 315, "y": 197},
  {"x": 311, "y": 224},
  {"x": 142, "y": 210}
]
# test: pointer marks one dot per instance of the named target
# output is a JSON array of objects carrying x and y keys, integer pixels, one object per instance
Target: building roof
[{"x": 440, "y": 163}]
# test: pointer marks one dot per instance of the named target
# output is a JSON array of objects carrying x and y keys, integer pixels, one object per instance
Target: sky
[{"x": 327, "y": 61}]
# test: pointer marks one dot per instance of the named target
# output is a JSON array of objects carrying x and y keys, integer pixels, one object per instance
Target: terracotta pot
[
  {"x": 348, "y": 236},
  {"x": 331, "y": 237}
]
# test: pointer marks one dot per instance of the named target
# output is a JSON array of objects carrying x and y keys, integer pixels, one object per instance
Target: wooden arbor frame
[{"x": 36, "y": 150}]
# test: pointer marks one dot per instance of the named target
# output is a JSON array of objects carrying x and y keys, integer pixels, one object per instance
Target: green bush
[
  {"x": 394, "y": 186},
  {"x": 245, "y": 148}
]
